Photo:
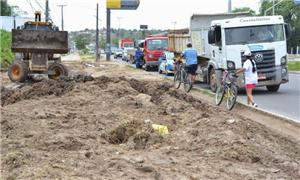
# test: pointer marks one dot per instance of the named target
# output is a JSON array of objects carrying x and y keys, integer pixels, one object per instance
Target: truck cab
[
  {"x": 127, "y": 45},
  {"x": 264, "y": 36},
  {"x": 154, "y": 46}
]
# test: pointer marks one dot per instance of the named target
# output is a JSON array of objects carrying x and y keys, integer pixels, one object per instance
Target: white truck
[{"x": 221, "y": 39}]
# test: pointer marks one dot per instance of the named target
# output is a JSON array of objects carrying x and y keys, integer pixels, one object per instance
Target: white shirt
[{"x": 250, "y": 77}]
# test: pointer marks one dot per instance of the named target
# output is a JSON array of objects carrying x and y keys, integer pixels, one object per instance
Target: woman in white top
[{"x": 250, "y": 72}]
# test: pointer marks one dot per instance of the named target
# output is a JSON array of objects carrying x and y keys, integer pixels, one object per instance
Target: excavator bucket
[{"x": 39, "y": 41}]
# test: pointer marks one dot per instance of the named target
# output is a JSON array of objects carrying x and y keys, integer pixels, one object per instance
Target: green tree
[
  {"x": 102, "y": 42},
  {"x": 81, "y": 41},
  {"x": 115, "y": 41},
  {"x": 244, "y": 10},
  {"x": 291, "y": 14},
  {"x": 6, "y": 9},
  {"x": 6, "y": 56}
]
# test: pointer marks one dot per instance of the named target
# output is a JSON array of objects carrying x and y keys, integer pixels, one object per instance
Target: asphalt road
[{"x": 285, "y": 102}]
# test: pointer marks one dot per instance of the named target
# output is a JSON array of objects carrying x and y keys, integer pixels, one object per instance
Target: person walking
[
  {"x": 250, "y": 72},
  {"x": 138, "y": 57},
  {"x": 190, "y": 55}
]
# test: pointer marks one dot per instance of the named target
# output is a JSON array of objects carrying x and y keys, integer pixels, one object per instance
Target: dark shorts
[{"x": 191, "y": 69}]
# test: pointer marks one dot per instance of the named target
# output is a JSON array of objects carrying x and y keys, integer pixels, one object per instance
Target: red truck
[
  {"x": 127, "y": 46},
  {"x": 154, "y": 46},
  {"x": 126, "y": 43}
]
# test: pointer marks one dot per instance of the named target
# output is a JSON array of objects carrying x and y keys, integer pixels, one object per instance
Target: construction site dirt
[{"x": 101, "y": 128}]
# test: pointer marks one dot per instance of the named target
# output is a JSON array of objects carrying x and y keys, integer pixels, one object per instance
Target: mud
[{"x": 101, "y": 129}]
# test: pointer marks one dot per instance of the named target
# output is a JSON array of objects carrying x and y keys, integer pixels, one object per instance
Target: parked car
[
  {"x": 118, "y": 53},
  {"x": 166, "y": 63},
  {"x": 114, "y": 49}
]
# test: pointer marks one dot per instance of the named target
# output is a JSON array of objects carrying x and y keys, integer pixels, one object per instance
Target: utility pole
[
  {"x": 273, "y": 9},
  {"x": 119, "y": 30},
  {"x": 97, "y": 34},
  {"x": 229, "y": 6},
  {"x": 108, "y": 43},
  {"x": 47, "y": 14},
  {"x": 174, "y": 24},
  {"x": 62, "y": 16}
]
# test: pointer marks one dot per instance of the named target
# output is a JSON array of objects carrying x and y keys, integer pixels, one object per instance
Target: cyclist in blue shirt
[
  {"x": 138, "y": 57},
  {"x": 190, "y": 55}
]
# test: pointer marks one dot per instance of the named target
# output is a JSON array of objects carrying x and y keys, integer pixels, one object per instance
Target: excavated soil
[{"x": 100, "y": 128}]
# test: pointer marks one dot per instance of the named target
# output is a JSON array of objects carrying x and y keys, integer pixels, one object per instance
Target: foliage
[
  {"x": 7, "y": 10},
  {"x": 291, "y": 13},
  {"x": 115, "y": 41},
  {"x": 81, "y": 41},
  {"x": 89, "y": 36},
  {"x": 6, "y": 56},
  {"x": 102, "y": 42},
  {"x": 294, "y": 65},
  {"x": 244, "y": 9}
]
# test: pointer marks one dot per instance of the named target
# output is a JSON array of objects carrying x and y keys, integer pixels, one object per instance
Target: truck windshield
[
  {"x": 254, "y": 34},
  {"x": 128, "y": 45},
  {"x": 157, "y": 44}
]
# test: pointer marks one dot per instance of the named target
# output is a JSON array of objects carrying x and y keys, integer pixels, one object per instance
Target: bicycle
[
  {"x": 181, "y": 76},
  {"x": 227, "y": 89}
]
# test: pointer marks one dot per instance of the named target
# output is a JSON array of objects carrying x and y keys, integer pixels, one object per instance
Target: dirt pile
[
  {"x": 101, "y": 129},
  {"x": 35, "y": 90}
]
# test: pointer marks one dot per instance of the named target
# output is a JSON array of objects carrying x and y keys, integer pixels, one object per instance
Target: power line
[
  {"x": 33, "y": 10},
  {"x": 38, "y": 3}
]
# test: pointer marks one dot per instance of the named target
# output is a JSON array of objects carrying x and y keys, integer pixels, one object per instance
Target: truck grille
[{"x": 265, "y": 62}]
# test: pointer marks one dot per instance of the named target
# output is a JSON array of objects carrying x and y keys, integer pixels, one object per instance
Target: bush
[{"x": 6, "y": 56}]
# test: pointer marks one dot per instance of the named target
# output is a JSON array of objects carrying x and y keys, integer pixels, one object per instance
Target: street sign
[
  {"x": 113, "y": 4},
  {"x": 122, "y": 4},
  {"x": 143, "y": 26},
  {"x": 297, "y": 1}
]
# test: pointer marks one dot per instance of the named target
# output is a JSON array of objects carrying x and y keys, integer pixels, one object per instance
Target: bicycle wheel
[
  {"x": 177, "y": 79},
  {"x": 231, "y": 97},
  {"x": 187, "y": 83},
  {"x": 219, "y": 95}
]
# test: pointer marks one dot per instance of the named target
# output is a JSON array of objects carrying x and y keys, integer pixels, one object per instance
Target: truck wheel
[
  {"x": 18, "y": 71},
  {"x": 147, "y": 68},
  {"x": 273, "y": 88},
  {"x": 56, "y": 71},
  {"x": 213, "y": 80}
]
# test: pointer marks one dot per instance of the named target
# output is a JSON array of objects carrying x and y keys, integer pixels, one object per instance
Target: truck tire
[
  {"x": 147, "y": 68},
  {"x": 213, "y": 80},
  {"x": 273, "y": 88},
  {"x": 57, "y": 70},
  {"x": 18, "y": 71}
]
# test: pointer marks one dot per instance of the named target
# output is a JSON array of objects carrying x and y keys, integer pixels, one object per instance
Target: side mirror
[
  {"x": 288, "y": 31},
  {"x": 211, "y": 36}
]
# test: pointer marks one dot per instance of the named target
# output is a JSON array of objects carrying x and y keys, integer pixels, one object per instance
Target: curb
[
  {"x": 259, "y": 110},
  {"x": 294, "y": 72}
]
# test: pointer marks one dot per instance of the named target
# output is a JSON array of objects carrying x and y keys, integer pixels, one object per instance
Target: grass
[
  {"x": 294, "y": 65},
  {"x": 88, "y": 57}
]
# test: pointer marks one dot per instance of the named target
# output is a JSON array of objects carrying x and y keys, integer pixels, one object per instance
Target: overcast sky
[{"x": 157, "y": 14}]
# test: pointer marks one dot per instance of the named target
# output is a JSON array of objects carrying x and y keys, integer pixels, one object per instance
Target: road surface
[{"x": 285, "y": 102}]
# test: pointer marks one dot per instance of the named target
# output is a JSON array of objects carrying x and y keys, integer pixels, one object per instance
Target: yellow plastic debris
[{"x": 162, "y": 130}]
